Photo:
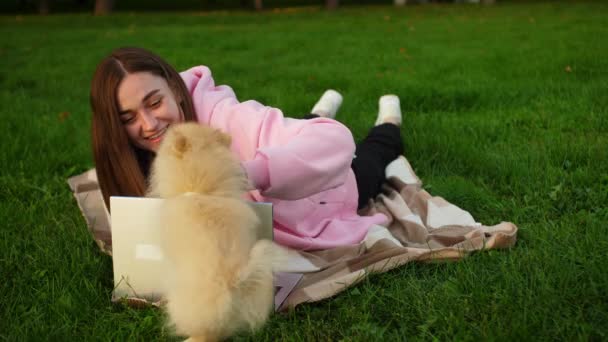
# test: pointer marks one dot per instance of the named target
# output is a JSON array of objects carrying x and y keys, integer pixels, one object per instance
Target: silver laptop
[{"x": 140, "y": 267}]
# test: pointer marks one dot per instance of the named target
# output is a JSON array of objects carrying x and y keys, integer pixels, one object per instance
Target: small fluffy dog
[{"x": 222, "y": 278}]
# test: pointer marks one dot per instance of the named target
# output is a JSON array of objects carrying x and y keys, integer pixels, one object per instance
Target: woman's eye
[
  {"x": 155, "y": 104},
  {"x": 126, "y": 119}
]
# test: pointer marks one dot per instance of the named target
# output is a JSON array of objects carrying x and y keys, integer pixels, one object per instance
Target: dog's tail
[{"x": 255, "y": 285}]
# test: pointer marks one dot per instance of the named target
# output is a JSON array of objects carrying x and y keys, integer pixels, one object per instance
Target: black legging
[{"x": 382, "y": 145}]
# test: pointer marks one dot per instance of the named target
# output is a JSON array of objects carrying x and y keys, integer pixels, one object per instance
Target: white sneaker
[
  {"x": 388, "y": 107},
  {"x": 328, "y": 104}
]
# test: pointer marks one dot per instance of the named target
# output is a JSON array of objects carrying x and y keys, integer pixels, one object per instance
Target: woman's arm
[{"x": 284, "y": 158}]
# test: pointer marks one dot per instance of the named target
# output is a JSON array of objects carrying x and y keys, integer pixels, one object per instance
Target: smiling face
[{"x": 147, "y": 108}]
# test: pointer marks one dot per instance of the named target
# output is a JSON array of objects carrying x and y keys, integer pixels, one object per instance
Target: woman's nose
[{"x": 149, "y": 121}]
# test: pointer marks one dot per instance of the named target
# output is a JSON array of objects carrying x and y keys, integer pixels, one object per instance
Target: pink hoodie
[{"x": 302, "y": 167}]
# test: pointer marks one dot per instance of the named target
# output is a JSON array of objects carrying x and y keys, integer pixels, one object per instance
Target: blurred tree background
[{"x": 105, "y": 6}]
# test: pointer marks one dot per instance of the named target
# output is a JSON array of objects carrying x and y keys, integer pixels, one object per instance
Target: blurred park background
[
  {"x": 506, "y": 116},
  {"x": 107, "y": 6}
]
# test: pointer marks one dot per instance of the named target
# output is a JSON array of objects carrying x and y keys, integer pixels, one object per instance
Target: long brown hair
[{"x": 122, "y": 168}]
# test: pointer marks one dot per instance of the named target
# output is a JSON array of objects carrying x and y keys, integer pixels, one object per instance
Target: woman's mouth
[{"x": 156, "y": 137}]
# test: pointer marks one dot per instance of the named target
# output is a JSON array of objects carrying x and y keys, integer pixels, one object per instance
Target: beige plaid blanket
[{"x": 421, "y": 227}]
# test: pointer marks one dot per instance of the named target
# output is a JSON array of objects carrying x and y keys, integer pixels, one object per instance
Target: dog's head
[{"x": 196, "y": 158}]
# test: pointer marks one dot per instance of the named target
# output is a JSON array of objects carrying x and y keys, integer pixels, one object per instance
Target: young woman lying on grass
[{"x": 309, "y": 169}]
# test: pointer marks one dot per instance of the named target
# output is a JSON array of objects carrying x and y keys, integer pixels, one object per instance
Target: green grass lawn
[{"x": 505, "y": 115}]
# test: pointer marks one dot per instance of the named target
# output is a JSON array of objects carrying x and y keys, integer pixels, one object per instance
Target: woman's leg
[
  {"x": 382, "y": 145},
  {"x": 327, "y": 106}
]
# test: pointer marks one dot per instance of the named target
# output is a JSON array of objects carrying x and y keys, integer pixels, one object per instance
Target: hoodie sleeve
[{"x": 284, "y": 158}]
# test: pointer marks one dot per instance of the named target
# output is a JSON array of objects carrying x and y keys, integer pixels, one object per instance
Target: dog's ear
[
  {"x": 222, "y": 138},
  {"x": 181, "y": 144}
]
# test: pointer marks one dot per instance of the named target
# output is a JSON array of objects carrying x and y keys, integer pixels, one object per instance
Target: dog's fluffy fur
[{"x": 222, "y": 276}]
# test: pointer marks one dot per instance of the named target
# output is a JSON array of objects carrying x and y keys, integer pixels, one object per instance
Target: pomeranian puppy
[{"x": 222, "y": 279}]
